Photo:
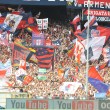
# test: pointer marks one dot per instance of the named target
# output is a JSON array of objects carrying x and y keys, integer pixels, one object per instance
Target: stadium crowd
[{"x": 49, "y": 88}]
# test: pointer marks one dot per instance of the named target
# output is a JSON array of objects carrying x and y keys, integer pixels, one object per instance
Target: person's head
[{"x": 11, "y": 23}]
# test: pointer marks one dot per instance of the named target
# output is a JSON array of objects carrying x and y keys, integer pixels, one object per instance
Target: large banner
[
  {"x": 42, "y": 23},
  {"x": 38, "y": 40},
  {"x": 94, "y": 4},
  {"x": 11, "y": 22},
  {"x": 96, "y": 12},
  {"x": 21, "y": 52},
  {"x": 99, "y": 18},
  {"x": 95, "y": 48},
  {"x": 101, "y": 15}
]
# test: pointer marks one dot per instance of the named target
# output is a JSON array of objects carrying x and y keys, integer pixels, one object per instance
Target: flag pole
[
  {"x": 87, "y": 45},
  {"x": 53, "y": 63}
]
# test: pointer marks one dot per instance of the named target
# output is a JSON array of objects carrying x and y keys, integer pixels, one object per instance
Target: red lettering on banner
[
  {"x": 37, "y": 104},
  {"x": 83, "y": 105},
  {"x": 95, "y": 12}
]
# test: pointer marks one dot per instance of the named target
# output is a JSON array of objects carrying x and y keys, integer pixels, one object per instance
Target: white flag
[
  {"x": 96, "y": 44},
  {"x": 42, "y": 23},
  {"x": 70, "y": 87}
]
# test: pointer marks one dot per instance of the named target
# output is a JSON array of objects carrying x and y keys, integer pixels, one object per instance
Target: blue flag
[{"x": 99, "y": 85}]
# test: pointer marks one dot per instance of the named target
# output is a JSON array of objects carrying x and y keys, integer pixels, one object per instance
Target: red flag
[
  {"x": 10, "y": 84},
  {"x": 44, "y": 56},
  {"x": 102, "y": 66},
  {"x": 77, "y": 52},
  {"x": 104, "y": 31},
  {"x": 22, "y": 64},
  {"x": 2, "y": 20},
  {"x": 76, "y": 23},
  {"x": 2, "y": 73},
  {"x": 34, "y": 29},
  {"x": 16, "y": 12},
  {"x": 93, "y": 73},
  {"x": 76, "y": 20},
  {"x": 48, "y": 42},
  {"x": 30, "y": 20},
  {"x": 27, "y": 80},
  {"x": 71, "y": 52},
  {"x": 22, "y": 24},
  {"x": 92, "y": 22},
  {"x": 77, "y": 69},
  {"x": 43, "y": 65}
]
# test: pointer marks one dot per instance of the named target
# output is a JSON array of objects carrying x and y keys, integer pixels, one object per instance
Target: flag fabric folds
[
  {"x": 78, "y": 50},
  {"x": 38, "y": 40},
  {"x": 99, "y": 85},
  {"x": 2, "y": 20},
  {"x": 104, "y": 31},
  {"x": 92, "y": 22},
  {"x": 96, "y": 80},
  {"x": 95, "y": 31},
  {"x": 66, "y": 72},
  {"x": 96, "y": 45},
  {"x": 76, "y": 23},
  {"x": 21, "y": 52},
  {"x": 93, "y": 73},
  {"x": 70, "y": 87},
  {"x": 11, "y": 22},
  {"x": 90, "y": 54},
  {"x": 71, "y": 52},
  {"x": 27, "y": 79},
  {"x": 103, "y": 66},
  {"x": 2, "y": 73},
  {"x": 34, "y": 29},
  {"x": 22, "y": 64},
  {"x": 76, "y": 20},
  {"x": 44, "y": 56},
  {"x": 6, "y": 68},
  {"x": 22, "y": 77}
]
